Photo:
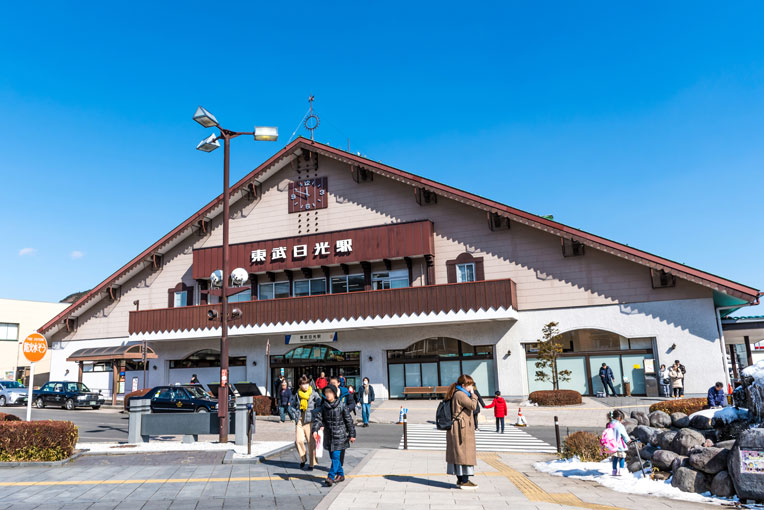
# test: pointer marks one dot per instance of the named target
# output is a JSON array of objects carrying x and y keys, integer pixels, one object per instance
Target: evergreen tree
[{"x": 550, "y": 348}]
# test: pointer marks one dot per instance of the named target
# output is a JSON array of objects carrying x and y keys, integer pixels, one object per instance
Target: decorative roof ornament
[{"x": 311, "y": 121}]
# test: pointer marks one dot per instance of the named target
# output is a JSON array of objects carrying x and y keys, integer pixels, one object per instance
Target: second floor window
[
  {"x": 465, "y": 272},
  {"x": 245, "y": 295},
  {"x": 273, "y": 290},
  {"x": 347, "y": 283},
  {"x": 312, "y": 287},
  {"x": 181, "y": 299},
  {"x": 390, "y": 279},
  {"x": 9, "y": 331}
]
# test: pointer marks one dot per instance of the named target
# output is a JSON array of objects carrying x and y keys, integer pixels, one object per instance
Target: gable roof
[{"x": 290, "y": 151}]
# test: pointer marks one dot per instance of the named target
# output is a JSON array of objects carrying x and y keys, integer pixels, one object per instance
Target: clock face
[{"x": 308, "y": 194}]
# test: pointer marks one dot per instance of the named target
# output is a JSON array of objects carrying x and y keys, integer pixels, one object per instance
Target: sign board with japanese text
[
  {"x": 34, "y": 347},
  {"x": 393, "y": 241},
  {"x": 311, "y": 338}
]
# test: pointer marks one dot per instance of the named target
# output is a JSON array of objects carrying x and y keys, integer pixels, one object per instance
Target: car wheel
[
  {"x": 39, "y": 404},
  {"x": 202, "y": 410},
  {"x": 69, "y": 404},
  {"x": 96, "y": 407},
  {"x": 2, "y": 401}
]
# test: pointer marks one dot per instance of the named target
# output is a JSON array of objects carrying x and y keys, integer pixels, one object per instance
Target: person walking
[
  {"x": 499, "y": 410},
  {"x": 284, "y": 399},
  {"x": 461, "y": 455},
  {"x": 615, "y": 440},
  {"x": 277, "y": 385},
  {"x": 684, "y": 372},
  {"x": 306, "y": 402},
  {"x": 367, "y": 397},
  {"x": 665, "y": 381},
  {"x": 339, "y": 431},
  {"x": 321, "y": 382},
  {"x": 606, "y": 376},
  {"x": 477, "y": 409},
  {"x": 352, "y": 400},
  {"x": 343, "y": 391},
  {"x": 677, "y": 376}
]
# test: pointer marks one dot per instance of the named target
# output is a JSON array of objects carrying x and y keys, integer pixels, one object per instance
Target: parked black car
[
  {"x": 172, "y": 399},
  {"x": 66, "y": 394}
]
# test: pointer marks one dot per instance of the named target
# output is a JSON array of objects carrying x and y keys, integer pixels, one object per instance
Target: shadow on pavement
[{"x": 420, "y": 481}]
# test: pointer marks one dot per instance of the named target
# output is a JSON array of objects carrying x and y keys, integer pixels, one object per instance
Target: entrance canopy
[{"x": 131, "y": 350}]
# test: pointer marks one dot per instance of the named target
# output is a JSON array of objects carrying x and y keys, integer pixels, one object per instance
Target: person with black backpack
[{"x": 457, "y": 408}]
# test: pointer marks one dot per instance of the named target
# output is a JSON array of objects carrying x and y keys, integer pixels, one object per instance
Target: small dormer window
[
  {"x": 572, "y": 248},
  {"x": 662, "y": 279}
]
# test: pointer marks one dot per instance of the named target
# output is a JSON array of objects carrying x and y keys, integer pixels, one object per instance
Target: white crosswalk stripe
[{"x": 514, "y": 439}]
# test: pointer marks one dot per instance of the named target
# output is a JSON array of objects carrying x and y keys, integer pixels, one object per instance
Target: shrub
[
  {"x": 555, "y": 397},
  {"x": 685, "y": 405},
  {"x": 9, "y": 417},
  {"x": 262, "y": 405},
  {"x": 36, "y": 440},
  {"x": 584, "y": 445}
]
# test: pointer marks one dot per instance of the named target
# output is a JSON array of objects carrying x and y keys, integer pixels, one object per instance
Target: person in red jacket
[
  {"x": 499, "y": 410},
  {"x": 321, "y": 382}
]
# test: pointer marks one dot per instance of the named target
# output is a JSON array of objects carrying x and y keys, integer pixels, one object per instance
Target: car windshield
[
  {"x": 197, "y": 392},
  {"x": 11, "y": 384},
  {"x": 77, "y": 387}
]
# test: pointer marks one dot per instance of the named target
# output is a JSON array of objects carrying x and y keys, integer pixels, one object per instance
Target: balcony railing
[{"x": 409, "y": 301}]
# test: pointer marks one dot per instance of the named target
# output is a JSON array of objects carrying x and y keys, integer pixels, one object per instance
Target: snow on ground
[
  {"x": 756, "y": 371},
  {"x": 259, "y": 448},
  {"x": 632, "y": 483},
  {"x": 727, "y": 414}
]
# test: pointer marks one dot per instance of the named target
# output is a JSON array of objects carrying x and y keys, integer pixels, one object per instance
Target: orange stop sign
[{"x": 34, "y": 346}]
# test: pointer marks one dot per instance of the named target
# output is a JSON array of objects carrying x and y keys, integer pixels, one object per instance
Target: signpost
[{"x": 34, "y": 347}]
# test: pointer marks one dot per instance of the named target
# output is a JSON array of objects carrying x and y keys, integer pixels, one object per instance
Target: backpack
[
  {"x": 444, "y": 418},
  {"x": 608, "y": 441}
]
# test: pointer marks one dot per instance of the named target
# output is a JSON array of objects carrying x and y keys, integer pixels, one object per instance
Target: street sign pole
[{"x": 29, "y": 398}]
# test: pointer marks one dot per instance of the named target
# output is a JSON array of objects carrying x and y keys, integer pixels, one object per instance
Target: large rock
[
  {"x": 744, "y": 470},
  {"x": 680, "y": 420},
  {"x": 646, "y": 435},
  {"x": 709, "y": 460},
  {"x": 721, "y": 485},
  {"x": 729, "y": 431},
  {"x": 685, "y": 440},
  {"x": 689, "y": 480},
  {"x": 726, "y": 444},
  {"x": 634, "y": 466},
  {"x": 641, "y": 417},
  {"x": 659, "y": 419},
  {"x": 629, "y": 424},
  {"x": 679, "y": 462},
  {"x": 647, "y": 452},
  {"x": 663, "y": 459},
  {"x": 700, "y": 422},
  {"x": 665, "y": 438}
]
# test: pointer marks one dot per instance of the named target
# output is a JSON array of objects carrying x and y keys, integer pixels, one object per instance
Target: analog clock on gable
[{"x": 308, "y": 194}]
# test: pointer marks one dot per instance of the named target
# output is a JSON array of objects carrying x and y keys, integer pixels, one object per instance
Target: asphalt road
[{"x": 94, "y": 426}]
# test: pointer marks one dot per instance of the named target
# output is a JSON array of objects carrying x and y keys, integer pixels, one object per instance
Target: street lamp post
[{"x": 209, "y": 144}]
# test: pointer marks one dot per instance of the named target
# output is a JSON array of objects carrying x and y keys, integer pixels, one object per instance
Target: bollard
[
  {"x": 242, "y": 419},
  {"x": 138, "y": 408},
  {"x": 405, "y": 432},
  {"x": 250, "y": 428},
  {"x": 557, "y": 433}
]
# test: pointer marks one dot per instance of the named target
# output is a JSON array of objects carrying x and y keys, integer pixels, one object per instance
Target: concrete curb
[
  {"x": 326, "y": 503},
  {"x": 228, "y": 459},
  {"x": 46, "y": 464}
]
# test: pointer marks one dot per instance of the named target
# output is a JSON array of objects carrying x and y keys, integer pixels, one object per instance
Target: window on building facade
[
  {"x": 181, "y": 299},
  {"x": 9, "y": 331},
  {"x": 312, "y": 287},
  {"x": 347, "y": 283},
  {"x": 206, "y": 358},
  {"x": 102, "y": 366},
  {"x": 465, "y": 272},
  {"x": 592, "y": 340},
  {"x": 245, "y": 295},
  {"x": 390, "y": 279},
  {"x": 273, "y": 290}
]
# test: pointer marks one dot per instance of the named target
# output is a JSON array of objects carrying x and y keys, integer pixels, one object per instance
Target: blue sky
[{"x": 640, "y": 123}]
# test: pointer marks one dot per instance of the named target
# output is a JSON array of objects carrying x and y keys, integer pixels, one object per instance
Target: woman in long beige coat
[
  {"x": 676, "y": 376},
  {"x": 460, "y": 438}
]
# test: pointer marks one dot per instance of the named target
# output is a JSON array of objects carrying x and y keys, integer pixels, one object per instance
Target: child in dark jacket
[
  {"x": 499, "y": 410},
  {"x": 339, "y": 431}
]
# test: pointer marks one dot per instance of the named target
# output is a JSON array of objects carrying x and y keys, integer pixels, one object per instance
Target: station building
[{"x": 359, "y": 268}]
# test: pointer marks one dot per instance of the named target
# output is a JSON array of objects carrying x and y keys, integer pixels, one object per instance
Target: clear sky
[{"x": 642, "y": 123}]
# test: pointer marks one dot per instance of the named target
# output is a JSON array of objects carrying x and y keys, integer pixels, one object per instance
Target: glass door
[
  {"x": 395, "y": 374},
  {"x": 614, "y": 362},
  {"x": 577, "y": 367},
  {"x": 429, "y": 374}
]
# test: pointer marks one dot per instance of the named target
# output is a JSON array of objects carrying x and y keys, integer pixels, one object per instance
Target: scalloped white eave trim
[{"x": 428, "y": 319}]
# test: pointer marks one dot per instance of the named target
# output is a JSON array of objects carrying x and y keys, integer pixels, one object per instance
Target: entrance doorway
[{"x": 311, "y": 360}]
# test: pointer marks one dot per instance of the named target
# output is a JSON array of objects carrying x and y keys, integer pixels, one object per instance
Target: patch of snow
[
  {"x": 756, "y": 371},
  {"x": 528, "y": 403},
  {"x": 726, "y": 414},
  {"x": 631, "y": 483},
  {"x": 258, "y": 447}
]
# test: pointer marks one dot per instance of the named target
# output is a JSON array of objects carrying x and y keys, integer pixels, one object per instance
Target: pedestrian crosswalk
[{"x": 514, "y": 439}]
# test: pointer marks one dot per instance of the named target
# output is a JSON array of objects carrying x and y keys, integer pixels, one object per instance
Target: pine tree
[{"x": 550, "y": 348}]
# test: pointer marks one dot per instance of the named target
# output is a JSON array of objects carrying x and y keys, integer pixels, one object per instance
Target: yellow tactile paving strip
[{"x": 532, "y": 491}]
